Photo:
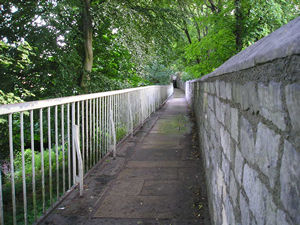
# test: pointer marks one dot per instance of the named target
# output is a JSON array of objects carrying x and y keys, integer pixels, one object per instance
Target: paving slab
[
  {"x": 161, "y": 207},
  {"x": 149, "y": 173},
  {"x": 161, "y": 164}
]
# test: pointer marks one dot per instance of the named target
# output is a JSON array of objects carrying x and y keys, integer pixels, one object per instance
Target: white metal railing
[{"x": 49, "y": 142}]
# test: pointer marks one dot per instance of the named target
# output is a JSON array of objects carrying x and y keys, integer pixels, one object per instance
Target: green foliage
[
  {"x": 121, "y": 132},
  {"x": 28, "y": 177},
  {"x": 212, "y": 30},
  {"x": 158, "y": 73},
  {"x": 184, "y": 76}
]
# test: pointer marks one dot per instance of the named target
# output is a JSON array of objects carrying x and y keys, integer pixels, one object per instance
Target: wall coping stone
[{"x": 281, "y": 43}]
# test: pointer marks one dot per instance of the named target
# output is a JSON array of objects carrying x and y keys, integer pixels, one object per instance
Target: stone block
[
  {"x": 215, "y": 151},
  {"x": 266, "y": 152},
  {"x": 206, "y": 150},
  {"x": 249, "y": 99},
  {"x": 217, "y": 84},
  {"x": 247, "y": 140},
  {"x": 223, "y": 112},
  {"x": 227, "y": 117},
  {"x": 212, "y": 88},
  {"x": 271, "y": 106},
  {"x": 234, "y": 129},
  {"x": 219, "y": 181},
  {"x": 282, "y": 218},
  {"x": 205, "y": 87},
  {"x": 225, "y": 169},
  {"x": 211, "y": 102},
  {"x": 233, "y": 188},
  {"x": 236, "y": 93},
  {"x": 225, "y": 142},
  {"x": 260, "y": 200},
  {"x": 228, "y": 91},
  {"x": 229, "y": 211},
  {"x": 245, "y": 213},
  {"x": 292, "y": 96},
  {"x": 205, "y": 104},
  {"x": 223, "y": 89},
  {"x": 238, "y": 168},
  {"x": 290, "y": 181},
  {"x": 212, "y": 120},
  {"x": 219, "y": 112}
]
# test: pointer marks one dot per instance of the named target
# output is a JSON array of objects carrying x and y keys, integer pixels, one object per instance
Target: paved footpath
[{"x": 156, "y": 178}]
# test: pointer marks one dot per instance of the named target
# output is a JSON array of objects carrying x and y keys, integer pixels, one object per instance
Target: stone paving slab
[
  {"x": 149, "y": 173},
  {"x": 161, "y": 164},
  {"x": 158, "y": 154},
  {"x": 162, "y": 188},
  {"x": 161, "y": 207},
  {"x": 127, "y": 187}
]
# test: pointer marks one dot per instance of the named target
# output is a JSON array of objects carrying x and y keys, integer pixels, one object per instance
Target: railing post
[
  {"x": 130, "y": 116},
  {"x": 113, "y": 131},
  {"x": 78, "y": 179},
  {"x": 1, "y": 202},
  {"x": 73, "y": 144}
]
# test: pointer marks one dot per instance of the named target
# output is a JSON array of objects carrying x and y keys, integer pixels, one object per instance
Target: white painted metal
[
  {"x": 49, "y": 152},
  {"x": 33, "y": 165},
  {"x": 69, "y": 145},
  {"x": 73, "y": 147},
  {"x": 56, "y": 152},
  {"x": 63, "y": 146},
  {"x": 79, "y": 179},
  {"x": 23, "y": 167},
  {"x": 113, "y": 133},
  {"x": 11, "y": 153},
  {"x": 1, "y": 201},
  {"x": 42, "y": 159}
]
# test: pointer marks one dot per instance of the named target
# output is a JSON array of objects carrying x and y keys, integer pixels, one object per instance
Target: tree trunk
[
  {"x": 188, "y": 35},
  {"x": 238, "y": 25},
  {"x": 88, "y": 45}
]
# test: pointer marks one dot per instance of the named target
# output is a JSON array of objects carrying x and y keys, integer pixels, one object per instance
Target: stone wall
[{"x": 248, "y": 117}]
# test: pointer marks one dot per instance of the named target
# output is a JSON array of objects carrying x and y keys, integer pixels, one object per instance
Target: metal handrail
[{"x": 26, "y": 106}]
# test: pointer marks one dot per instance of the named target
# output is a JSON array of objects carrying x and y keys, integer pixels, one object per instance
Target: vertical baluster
[
  {"x": 1, "y": 201},
  {"x": 106, "y": 124},
  {"x": 119, "y": 109},
  {"x": 97, "y": 129},
  {"x": 101, "y": 128},
  {"x": 78, "y": 123},
  {"x": 69, "y": 145},
  {"x": 94, "y": 138},
  {"x": 117, "y": 112},
  {"x": 33, "y": 165},
  {"x": 73, "y": 146},
  {"x": 78, "y": 117},
  {"x": 87, "y": 134},
  {"x": 114, "y": 97},
  {"x": 56, "y": 153},
  {"x": 91, "y": 140},
  {"x": 63, "y": 146},
  {"x": 42, "y": 158},
  {"x": 82, "y": 134},
  {"x": 23, "y": 167},
  {"x": 49, "y": 150},
  {"x": 11, "y": 153},
  {"x": 110, "y": 126}
]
